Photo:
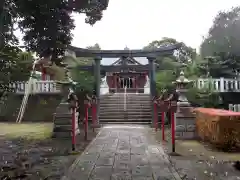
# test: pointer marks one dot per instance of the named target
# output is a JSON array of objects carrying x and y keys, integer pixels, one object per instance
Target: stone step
[
  {"x": 127, "y": 117},
  {"x": 118, "y": 121},
  {"x": 129, "y": 108},
  {"x": 127, "y": 101},
  {"x": 121, "y": 107},
  {"x": 124, "y": 112},
  {"x": 122, "y": 103},
  {"x": 125, "y": 122},
  {"x": 121, "y": 110},
  {"x": 129, "y": 94}
]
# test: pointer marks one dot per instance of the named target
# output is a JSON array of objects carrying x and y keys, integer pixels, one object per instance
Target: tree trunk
[{"x": 2, "y": 2}]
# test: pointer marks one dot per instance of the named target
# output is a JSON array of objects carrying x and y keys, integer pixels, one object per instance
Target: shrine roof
[{"x": 111, "y": 61}]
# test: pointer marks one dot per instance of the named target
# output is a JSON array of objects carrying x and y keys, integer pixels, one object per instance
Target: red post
[
  {"x": 173, "y": 130},
  {"x": 155, "y": 116},
  {"x": 163, "y": 122},
  {"x": 94, "y": 115},
  {"x": 86, "y": 120},
  {"x": 43, "y": 73},
  {"x": 73, "y": 128}
]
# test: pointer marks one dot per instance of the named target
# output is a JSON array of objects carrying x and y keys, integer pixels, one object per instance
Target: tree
[
  {"x": 46, "y": 24},
  {"x": 14, "y": 66},
  {"x": 222, "y": 42},
  {"x": 183, "y": 54},
  {"x": 164, "y": 80},
  {"x": 94, "y": 47}
]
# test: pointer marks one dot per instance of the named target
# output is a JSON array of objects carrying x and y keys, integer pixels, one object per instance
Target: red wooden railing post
[
  {"x": 86, "y": 120},
  {"x": 163, "y": 108},
  {"x": 173, "y": 109},
  {"x": 73, "y": 128},
  {"x": 155, "y": 116},
  {"x": 94, "y": 114},
  {"x": 173, "y": 131},
  {"x": 163, "y": 123}
]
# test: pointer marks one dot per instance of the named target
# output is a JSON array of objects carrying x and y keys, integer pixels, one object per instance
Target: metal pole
[
  {"x": 125, "y": 98},
  {"x": 73, "y": 128},
  {"x": 86, "y": 121},
  {"x": 156, "y": 116},
  {"x": 173, "y": 130}
]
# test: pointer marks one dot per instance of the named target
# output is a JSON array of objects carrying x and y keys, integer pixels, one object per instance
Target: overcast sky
[{"x": 135, "y": 23}]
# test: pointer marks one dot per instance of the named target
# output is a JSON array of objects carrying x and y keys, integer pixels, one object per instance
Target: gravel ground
[
  {"x": 46, "y": 158},
  {"x": 196, "y": 161}
]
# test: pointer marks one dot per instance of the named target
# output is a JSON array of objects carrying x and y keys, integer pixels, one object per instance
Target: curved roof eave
[{"x": 81, "y": 52}]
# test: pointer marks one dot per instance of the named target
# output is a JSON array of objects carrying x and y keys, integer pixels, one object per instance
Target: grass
[{"x": 31, "y": 131}]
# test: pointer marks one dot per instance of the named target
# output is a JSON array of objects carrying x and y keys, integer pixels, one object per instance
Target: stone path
[{"x": 123, "y": 153}]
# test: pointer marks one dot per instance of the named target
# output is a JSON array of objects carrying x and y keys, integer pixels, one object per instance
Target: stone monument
[{"x": 185, "y": 119}]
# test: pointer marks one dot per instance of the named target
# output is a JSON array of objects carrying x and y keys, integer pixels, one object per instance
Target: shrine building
[{"x": 129, "y": 78}]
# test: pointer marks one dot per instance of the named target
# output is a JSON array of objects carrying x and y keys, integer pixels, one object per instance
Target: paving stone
[
  {"x": 142, "y": 178},
  {"x": 101, "y": 173},
  {"x": 162, "y": 173},
  {"x": 120, "y": 174},
  {"x": 122, "y": 165},
  {"x": 105, "y": 161},
  {"x": 142, "y": 171},
  {"x": 122, "y": 157},
  {"x": 85, "y": 166},
  {"x": 123, "y": 154},
  {"x": 107, "y": 154},
  {"x": 139, "y": 160}
]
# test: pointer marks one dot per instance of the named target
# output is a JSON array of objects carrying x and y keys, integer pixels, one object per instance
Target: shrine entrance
[
  {"x": 126, "y": 82},
  {"x": 125, "y": 72},
  {"x": 125, "y": 75}
]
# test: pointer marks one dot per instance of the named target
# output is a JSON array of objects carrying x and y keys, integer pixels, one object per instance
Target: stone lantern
[
  {"x": 182, "y": 86},
  {"x": 63, "y": 114},
  {"x": 185, "y": 119}
]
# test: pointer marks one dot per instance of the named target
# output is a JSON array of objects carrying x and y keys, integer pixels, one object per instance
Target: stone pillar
[
  {"x": 152, "y": 75},
  {"x": 152, "y": 78},
  {"x": 98, "y": 80}
]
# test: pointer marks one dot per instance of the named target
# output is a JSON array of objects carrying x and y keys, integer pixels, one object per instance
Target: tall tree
[
  {"x": 222, "y": 42},
  {"x": 46, "y": 24},
  {"x": 183, "y": 54}
]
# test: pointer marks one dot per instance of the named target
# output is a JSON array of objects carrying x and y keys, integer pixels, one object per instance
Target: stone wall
[{"x": 40, "y": 108}]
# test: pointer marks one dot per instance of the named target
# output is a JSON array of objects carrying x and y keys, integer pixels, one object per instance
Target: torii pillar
[
  {"x": 152, "y": 77},
  {"x": 98, "y": 80}
]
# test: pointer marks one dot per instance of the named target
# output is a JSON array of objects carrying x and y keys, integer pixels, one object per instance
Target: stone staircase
[{"x": 138, "y": 109}]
